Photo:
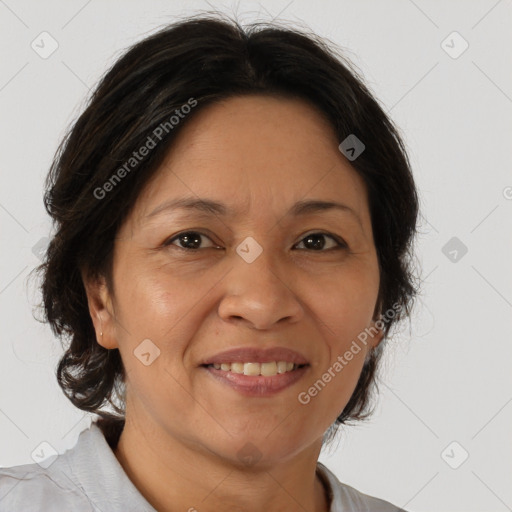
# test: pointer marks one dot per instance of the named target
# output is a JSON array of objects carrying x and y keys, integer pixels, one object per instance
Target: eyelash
[{"x": 341, "y": 243}]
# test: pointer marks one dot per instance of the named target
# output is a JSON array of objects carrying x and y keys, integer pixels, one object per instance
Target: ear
[{"x": 101, "y": 310}]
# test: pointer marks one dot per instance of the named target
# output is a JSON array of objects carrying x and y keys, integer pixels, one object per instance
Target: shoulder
[
  {"x": 55, "y": 483},
  {"x": 346, "y": 498},
  {"x": 85, "y": 478},
  {"x": 33, "y": 488}
]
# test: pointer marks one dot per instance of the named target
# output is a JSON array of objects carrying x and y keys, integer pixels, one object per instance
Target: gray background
[{"x": 447, "y": 375}]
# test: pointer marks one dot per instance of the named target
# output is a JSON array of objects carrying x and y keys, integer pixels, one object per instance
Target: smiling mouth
[
  {"x": 268, "y": 369},
  {"x": 257, "y": 379}
]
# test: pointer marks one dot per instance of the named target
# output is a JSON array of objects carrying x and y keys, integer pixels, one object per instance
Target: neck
[{"x": 173, "y": 475}]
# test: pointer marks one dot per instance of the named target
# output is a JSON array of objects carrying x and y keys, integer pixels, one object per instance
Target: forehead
[{"x": 255, "y": 152}]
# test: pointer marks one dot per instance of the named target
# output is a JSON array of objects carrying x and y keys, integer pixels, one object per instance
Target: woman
[{"x": 234, "y": 216}]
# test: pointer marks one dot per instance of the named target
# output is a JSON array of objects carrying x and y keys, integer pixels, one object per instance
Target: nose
[{"x": 260, "y": 294}]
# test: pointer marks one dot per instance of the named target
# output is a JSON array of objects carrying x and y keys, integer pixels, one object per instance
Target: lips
[
  {"x": 283, "y": 368},
  {"x": 256, "y": 355},
  {"x": 256, "y": 385}
]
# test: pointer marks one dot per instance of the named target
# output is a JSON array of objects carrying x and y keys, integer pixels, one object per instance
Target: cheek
[
  {"x": 153, "y": 318},
  {"x": 345, "y": 313},
  {"x": 345, "y": 303},
  {"x": 330, "y": 388},
  {"x": 151, "y": 303},
  {"x": 167, "y": 310}
]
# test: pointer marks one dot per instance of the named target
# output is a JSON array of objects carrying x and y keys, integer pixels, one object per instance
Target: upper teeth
[{"x": 265, "y": 369}]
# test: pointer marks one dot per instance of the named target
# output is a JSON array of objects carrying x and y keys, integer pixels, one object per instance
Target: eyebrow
[{"x": 210, "y": 206}]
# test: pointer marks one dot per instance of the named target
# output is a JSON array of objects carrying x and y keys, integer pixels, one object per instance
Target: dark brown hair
[{"x": 207, "y": 59}]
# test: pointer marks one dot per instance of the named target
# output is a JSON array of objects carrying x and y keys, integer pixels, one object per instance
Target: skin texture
[{"x": 258, "y": 155}]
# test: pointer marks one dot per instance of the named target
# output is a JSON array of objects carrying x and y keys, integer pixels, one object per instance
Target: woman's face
[{"x": 251, "y": 280}]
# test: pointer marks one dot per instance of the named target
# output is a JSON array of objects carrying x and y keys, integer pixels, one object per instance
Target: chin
[{"x": 258, "y": 452}]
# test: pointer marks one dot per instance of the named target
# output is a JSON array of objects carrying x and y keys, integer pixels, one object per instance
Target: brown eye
[
  {"x": 188, "y": 240},
  {"x": 316, "y": 242}
]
